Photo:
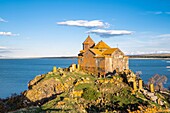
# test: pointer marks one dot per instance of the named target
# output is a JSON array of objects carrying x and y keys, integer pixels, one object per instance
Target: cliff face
[
  {"x": 77, "y": 91},
  {"x": 47, "y": 85},
  {"x": 44, "y": 89}
]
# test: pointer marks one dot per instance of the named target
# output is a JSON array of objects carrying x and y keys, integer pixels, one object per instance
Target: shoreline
[
  {"x": 151, "y": 58},
  {"x": 142, "y": 58},
  {"x": 40, "y": 58}
]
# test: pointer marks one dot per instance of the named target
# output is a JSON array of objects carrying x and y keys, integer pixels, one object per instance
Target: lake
[{"x": 16, "y": 73}]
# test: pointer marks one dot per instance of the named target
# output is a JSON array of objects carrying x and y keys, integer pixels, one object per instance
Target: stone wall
[
  {"x": 100, "y": 62},
  {"x": 119, "y": 61},
  {"x": 87, "y": 62},
  {"x": 108, "y": 65},
  {"x": 100, "y": 66}
]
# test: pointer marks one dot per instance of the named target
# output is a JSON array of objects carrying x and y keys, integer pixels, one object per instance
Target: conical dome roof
[
  {"x": 88, "y": 40},
  {"x": 101, "y": 45}
]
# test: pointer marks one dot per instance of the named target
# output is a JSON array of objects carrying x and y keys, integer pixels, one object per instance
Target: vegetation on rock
[
  {"x": 64, "y": 91},
  {"x": 90, "y": 94}
]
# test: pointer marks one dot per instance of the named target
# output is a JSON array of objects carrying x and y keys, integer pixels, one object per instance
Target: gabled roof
[
  {"x": 101, "y": 45},
  {"x": 96, "y": 51},
  {"x": 88, "y": 40},
  {"x": 82, "y": 51},
  {"x": 109, "y": 51}
]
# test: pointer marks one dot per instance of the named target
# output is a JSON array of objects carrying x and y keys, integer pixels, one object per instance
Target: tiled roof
[
  {"x": 82, "y": 51},
  {"x": 96, "y": 51},
  {"x": 101, "y": 45},
  {"x": 88, "y": 40},
  {"x": 109, "y": 51}
]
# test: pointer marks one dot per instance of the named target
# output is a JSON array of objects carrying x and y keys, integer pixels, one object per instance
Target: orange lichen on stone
[
  {"x": 77, "y": 93},
  {"x": 66, "y": 99}
]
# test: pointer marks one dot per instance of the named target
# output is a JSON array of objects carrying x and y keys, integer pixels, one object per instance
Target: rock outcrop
[
  {"x": 44, "y": 89},
  {"x": 77, "y": 91}
]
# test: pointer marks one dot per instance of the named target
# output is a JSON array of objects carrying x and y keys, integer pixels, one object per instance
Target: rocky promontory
[{"x": 72, "y": 90}]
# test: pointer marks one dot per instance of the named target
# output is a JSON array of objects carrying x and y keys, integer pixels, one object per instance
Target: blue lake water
[{"x": 16, "y": 73}]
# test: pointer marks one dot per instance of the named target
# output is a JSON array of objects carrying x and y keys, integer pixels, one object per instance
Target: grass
[
  {"x": 90, "y": 94},
  {"x": 83, "y": 86},
  {"x": 80, "y": 75},
  {"x": 125, "y": 97},
  {"x": 117, "y": 76},
  {"x": 141, "y": 96},
  {"x": 50, "y": 104},
  {"x": 54, "y": 75},
  {"x": 117, "y": 93}
]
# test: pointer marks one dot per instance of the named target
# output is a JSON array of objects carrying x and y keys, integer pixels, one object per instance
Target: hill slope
[{"x": 77, "y": 91}]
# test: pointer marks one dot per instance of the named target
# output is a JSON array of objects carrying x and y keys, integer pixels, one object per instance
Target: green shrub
[
  {"x": 83, "y": 86},
  {"x": 125, "y": 97},
  {"x": 90, "y": 94}
]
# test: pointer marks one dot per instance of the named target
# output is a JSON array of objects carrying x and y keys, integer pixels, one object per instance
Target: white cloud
[
  {"x": 7, "y": 34},
  {"x": 2, "y": 20},
  {"x": 158, "y": 12},
  {"x": 142, "y": 43},
  {"x": 7, "y": 50},
  {"x": 109, "y": 33},
  {"x": 163, "y": 51},
  {"x": 154, "y": 12},
  {"x": 167, "y": 13},
  {"x": 3, "y": 47},
  {"x": 85, "y": 23},
  {"x": 164, "y": 36},
  {"x": 147, "y": 52}
]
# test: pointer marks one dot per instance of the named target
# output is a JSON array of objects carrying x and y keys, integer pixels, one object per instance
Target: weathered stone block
[
  {"x": 151, "y": 87},
  {"x": 54, "y": 69},
  {"x": 140, "y": 84}
]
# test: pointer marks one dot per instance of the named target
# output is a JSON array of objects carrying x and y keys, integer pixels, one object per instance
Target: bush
[
  {"x": 83, "y": 86},
  {"x": 90, "y": 94}
]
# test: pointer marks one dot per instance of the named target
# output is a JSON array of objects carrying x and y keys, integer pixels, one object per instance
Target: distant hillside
[
  {"x": 165, "y": 55},
  {"x": 68, "y": 57}
]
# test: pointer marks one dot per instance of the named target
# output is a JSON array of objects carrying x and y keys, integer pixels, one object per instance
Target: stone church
[{"x": 100, "y": 58}]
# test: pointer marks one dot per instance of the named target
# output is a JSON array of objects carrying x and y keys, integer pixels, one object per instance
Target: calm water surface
[{"x": 16, "y": 73}]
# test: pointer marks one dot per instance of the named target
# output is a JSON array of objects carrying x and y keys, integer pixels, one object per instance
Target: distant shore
[
  {"x": 131, "y": 57},
  {"x": 62, "y": 57},
  {"x": 151, "y": 56},
  {"x": 144, "y": 56},
  {"x": 147, "y": 56}
]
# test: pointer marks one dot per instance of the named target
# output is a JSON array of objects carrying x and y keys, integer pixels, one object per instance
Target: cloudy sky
[{"x": 37, "y": 28}]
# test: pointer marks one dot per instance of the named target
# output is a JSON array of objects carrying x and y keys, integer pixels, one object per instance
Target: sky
[{"x": 53, "y": 28}]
